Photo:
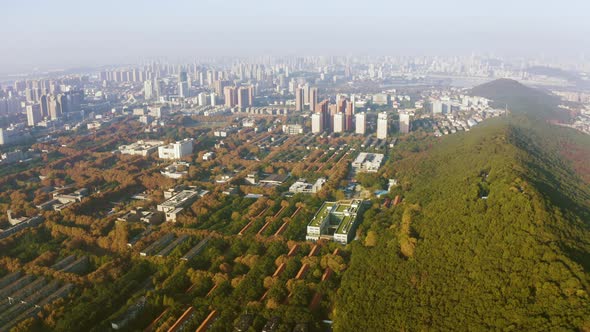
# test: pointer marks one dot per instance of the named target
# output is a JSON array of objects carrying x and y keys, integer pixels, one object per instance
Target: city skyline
[
  {"x": 67, "y": 35},
  {"x": 294, "y": 166}
]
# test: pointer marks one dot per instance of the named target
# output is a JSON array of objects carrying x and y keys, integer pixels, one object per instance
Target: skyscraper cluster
[
  {"x": 54, "y": 106},
  {"x": 240, "y": 96},
  {"x": 338, "y": 118},
  {"x": 306, "y": 96}
]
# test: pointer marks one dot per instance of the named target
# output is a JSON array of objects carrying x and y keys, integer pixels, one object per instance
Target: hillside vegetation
[
  {"x": 492, "y": 234},
  {"x": 521, "y": 99}
]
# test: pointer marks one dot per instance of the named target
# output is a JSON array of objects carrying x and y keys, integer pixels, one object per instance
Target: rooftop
[
  {"x": 345, "y": 224},
  {"x": 321, "y": 214}
]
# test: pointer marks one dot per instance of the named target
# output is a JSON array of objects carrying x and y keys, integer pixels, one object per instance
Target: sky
[{"x": 55, "y": 34}]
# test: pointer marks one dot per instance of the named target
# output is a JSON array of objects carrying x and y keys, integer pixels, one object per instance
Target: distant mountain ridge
[{"x": 521, "y": 99}]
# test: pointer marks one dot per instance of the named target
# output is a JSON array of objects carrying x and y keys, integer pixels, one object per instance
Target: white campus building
[{"x": 176, "y": 150}]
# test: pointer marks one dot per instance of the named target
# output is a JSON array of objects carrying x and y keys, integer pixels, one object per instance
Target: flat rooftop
[
  {"x": 180, "y": 198},
  {"x": 345, "y": 224},
  {"x": 321, "y": 214},
  {"x": 345, "y": 212}
]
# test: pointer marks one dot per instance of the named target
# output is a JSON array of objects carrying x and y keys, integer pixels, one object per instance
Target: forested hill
[
  {"x": 492, "y": 234},
  {"x": 521, "y": 99}
]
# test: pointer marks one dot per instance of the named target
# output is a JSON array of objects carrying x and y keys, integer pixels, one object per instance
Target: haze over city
[
  {"x": 66, "y": 34},
  {"x": 294, "y": 166}
]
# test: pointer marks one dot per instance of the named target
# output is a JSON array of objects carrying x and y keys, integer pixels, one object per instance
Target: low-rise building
[
  {"x": 224, "y": 132},
  {"x": 176, "y": 150},
  {"x": 336, "y": 221},
  {"x": 61, "y": 201},
  {"x": 140, "y": 148},
  {"x": 22, "y": 224},
  {"x": 181, "y": 199},
  {"x": 293, "y": 129},
  {"x": 142, "y": 215},
  {"x": 177, "y": 170},
  {"x": 249, "y": 123},
  {"x": 209, "y": 156},
  {"x": 93, "y": 125},
  {"x": 275, "y": 179},
  {"x": 301, "y": 186},
  {"x": 367, "y": 162}
]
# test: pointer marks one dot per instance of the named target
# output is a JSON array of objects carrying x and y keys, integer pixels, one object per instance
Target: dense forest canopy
[{"x": 493, "y": 233}]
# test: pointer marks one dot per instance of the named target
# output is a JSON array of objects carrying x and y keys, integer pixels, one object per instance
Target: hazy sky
[{"x": 69, "y": 33}]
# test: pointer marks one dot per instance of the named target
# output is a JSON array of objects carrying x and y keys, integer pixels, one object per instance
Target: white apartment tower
[
  {"x": 339, "y": 122},
  {"x": 316, "y": 123},
  {"x": 437, "y": 107},
  {"x": 203, "y": 99},
  {"x": 148, "y": 90},
  {"x": 360, "y": 120},
  {"x": 33, "y": 114},
  {"x": 404, "y": 123},
  {"x": 382, "y": 125}
]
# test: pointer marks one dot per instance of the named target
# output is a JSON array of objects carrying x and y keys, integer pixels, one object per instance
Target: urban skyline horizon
[{"x": 66, "y": 34}]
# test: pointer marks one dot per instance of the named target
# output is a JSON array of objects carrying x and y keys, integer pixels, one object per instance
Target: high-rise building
[
  {"x": 447, "y": 107},
  {"x": 29, "y": 96},
  {"x": 348, "y": 115},
  {"x": 306, "y": 94},
  {"x": 299, "y": 99},
  {"x": 44, "y": 106},
  {"x": 203, "y": 99},
  {"x": 333, "y": 111},
  {"x": 54, "y": 108},
  {"x": 158, "y": 88},
  {"x": 148, "y": 90},
  {"x": 316, "y": 123},
  {"x": 213, "y": 99},
  {"x": 230, "y": 96},
  {"x": 245, "y": 96},
  {"x": 360, "y": 123},
  {"x": 404, "y": 123},
  {"x": 183, "y": 87},
  {"x": 382, "y": 125},
  {"x": 437, "y": 107},
  {"x": 313, "y": 98},
  {"x": 323, "y": 109},
  {"x": 74, "y": 101},
  {"x": 219, "y": 85},
  {"x": 62, "y": 103},
  {"x": 339, "y": 122},
  {"x": 33, "y": 114}
]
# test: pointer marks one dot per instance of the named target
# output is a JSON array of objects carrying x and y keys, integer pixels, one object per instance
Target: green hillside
[
  {"x": 521, "y": 99},
  {"x": 493, "y": 234}
]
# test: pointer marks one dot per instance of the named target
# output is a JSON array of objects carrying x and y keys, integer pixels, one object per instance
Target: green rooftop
[
  {"x": 342, "y": 207},
  {"x": 345, "y": 224},
  {"x": 321, "y": 214}
]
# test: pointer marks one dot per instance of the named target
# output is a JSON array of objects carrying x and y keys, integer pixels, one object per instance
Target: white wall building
[
  {"x": 360, "y": 123},
  {"x": 293, "y": 129},
  {"x": 382, "y": 125},
  {"x": 316, "y": 123},
  {"x": 367, "y": 162},
  {"x": 140, "y": 148},
  {"x": 437, "y": 107},
  {"x": 404, "y": 123},
  {"x": 148, "y": 90},
  {"x": 176, "y": 150},
  {"x": 33, "y": 115},
  {"x": 203, "y": 99},
  {"x": 339, "y": 122}
]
